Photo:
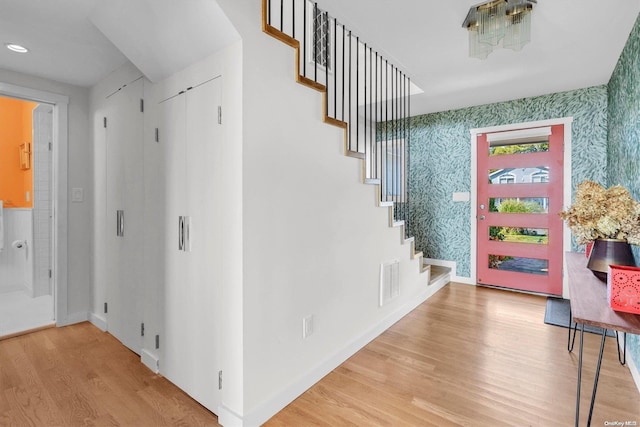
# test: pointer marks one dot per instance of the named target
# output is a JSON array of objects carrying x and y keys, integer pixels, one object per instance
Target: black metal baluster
[
  {"x": 397, "y": 147},
  {"x": 315, "y": 42},
  {"x": 375, "y": 122},
  {"x": 281, "y": 15},
  {"x": 386, "y": 132},
  {"x": 391, "y": 136},
  {"x": 343, "y": 99},
  {"x": 365, "y": 102},
  {"x": 394, "y": 144},
  {"x": 406, "y": 165},
  {"x": 357, "y": 93},
  {"x": 350, "y": 88},
  {"x": 401, "y": 144},
  {"x": 408, "y": 148},
  {"x": 395, "y": 136},
  {"x": 326, "y": 62},
  {"x": 371, "y": 112},
  {"x": 293, "y": 21},
  {"x": 335, "y": 68},
  {"x": 304, "y": 39}
]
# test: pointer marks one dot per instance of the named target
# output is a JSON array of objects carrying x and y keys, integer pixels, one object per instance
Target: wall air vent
[{"x": 389, "y": 281}]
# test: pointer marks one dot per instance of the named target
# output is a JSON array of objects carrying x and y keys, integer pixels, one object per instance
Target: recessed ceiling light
[{"x": 16, "y": 48}]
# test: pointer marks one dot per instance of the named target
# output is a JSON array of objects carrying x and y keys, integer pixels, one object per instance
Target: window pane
[
  {"x": 537, "y": 236},
  {"x": 519, "y": 205},
  {"x": 518, "y": 264},
  {"x": 519, "y": 175},
  {"x": 519, "y": 148}
]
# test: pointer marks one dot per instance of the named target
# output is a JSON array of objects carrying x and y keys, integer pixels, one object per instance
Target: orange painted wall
[{"x": 16, "y": 123}]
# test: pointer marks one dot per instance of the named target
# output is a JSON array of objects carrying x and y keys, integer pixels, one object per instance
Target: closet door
[
  {"x": 193, "y": 143},
  {"x": 176, "y": 344},
  {"x": 125, "y": 210},
  {"x": 204, "y": 142}
]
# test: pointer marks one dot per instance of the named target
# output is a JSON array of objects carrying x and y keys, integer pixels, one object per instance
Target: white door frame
[
  {"x": 566, "y": 193},
  {"x": 59, "y": 186}
]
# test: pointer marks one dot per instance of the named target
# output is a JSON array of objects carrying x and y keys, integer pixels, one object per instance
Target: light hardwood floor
[
  {"x": 80, "y": 376},
  {"x": 467, "y": 357}
]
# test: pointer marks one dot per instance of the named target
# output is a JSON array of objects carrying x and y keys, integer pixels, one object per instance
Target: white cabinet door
[
  {"x": 191, "y": 351},
  {"x": 125, "y": 194},
  {"x": 204, "y": 136},
  {"x": 175, "y": 345}
]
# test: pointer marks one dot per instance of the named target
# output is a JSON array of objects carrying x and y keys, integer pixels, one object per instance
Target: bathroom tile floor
[{"x": 19, "y": 312}]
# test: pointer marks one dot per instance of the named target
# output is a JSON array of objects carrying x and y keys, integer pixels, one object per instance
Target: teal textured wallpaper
[
  {"x": 441, "y": 162},
  {"x": 623, "y": 159}
]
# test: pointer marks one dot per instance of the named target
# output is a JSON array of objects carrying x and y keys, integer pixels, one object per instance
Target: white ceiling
[
  {"x": 570, "y": 48},
  {"x": 81, "y": 41}
]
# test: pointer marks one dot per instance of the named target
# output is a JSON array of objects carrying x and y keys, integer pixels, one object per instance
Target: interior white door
[
  {"x": 204, "y": 154},
  {"x": 175, "y": 346},
  {"x": 193, "y": 152},
  {"x": 125, "y": 211}
]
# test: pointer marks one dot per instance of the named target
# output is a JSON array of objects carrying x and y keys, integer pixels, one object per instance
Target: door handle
[
  {"x": 120, "y": 223},
  {"x": 482, "y": 217},
  {"x": 180, "y": 233}
]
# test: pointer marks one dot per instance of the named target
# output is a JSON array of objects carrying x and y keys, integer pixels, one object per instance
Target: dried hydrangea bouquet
[{"x": 608, "y": 217}]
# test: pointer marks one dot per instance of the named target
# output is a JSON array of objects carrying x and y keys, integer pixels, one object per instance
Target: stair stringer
[{"x": 295, "y": 44}]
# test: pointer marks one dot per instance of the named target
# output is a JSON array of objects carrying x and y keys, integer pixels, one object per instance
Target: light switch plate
[
  {"x": 461, "y": 196},
  {"x": 77, "y": 194}
]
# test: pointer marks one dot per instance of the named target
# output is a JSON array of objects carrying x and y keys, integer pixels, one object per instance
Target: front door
[{"x": 520, "y": 187}]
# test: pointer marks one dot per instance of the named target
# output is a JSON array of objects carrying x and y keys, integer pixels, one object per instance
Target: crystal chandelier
[{"x": 498, "y": 22}]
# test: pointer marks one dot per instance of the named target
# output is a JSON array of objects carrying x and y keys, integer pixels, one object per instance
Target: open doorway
[{"x": 26, "y": 213}]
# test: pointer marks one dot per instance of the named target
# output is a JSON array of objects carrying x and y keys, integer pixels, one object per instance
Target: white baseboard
[
  {"x": 634, "y": 372},
  {"x": 150, "y": 361},
  {"x": 228, "y": 418},
  {"x": 463, "y": 280},
  {"x": 632, "y": 366},
  {"x": 272, "y": 406},
  {"x": 73, "y": 318},
  {"x": 440, "y": 282},
  {"x": 98, "y": 321}
]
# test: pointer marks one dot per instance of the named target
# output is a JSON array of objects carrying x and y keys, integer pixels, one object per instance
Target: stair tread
[{"x": 438, "y": 272}]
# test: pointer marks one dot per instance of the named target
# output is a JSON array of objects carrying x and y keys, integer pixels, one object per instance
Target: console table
[{"x": 589, "y": 306}]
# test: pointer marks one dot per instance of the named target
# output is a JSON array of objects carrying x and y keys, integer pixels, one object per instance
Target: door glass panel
[
  {"x": 536, "y": 236},
  {"x": 519, "y": 264},
  {"x": 536, "y": 205},
  {"x": 519, "y": 175},
  {"x": 534, "y": 147}
]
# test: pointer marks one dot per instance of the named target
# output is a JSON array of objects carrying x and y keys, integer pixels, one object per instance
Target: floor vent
[{"x": 389, "y": 281}]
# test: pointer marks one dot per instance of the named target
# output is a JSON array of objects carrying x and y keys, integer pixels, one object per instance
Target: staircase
[{"x": 363, "y": 93}]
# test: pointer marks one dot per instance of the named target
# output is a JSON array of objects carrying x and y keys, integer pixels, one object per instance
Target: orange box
[{"x": 623, "y": 288}]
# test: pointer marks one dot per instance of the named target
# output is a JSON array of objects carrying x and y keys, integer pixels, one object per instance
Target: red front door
[{"x": 520, "y": 186}]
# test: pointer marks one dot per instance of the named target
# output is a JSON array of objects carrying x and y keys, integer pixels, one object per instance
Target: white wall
[
  {"x": 313, "y": 237},
  {"x": 16, "y": 265},
  {"x": 79, "y": 175}
]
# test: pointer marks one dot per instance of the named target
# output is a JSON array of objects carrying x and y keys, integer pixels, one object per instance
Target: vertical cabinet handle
[
  {"x": 180, "y": 233},
  {"x": 120, "y": 223},
  {"x": 183, "y": 234}
]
